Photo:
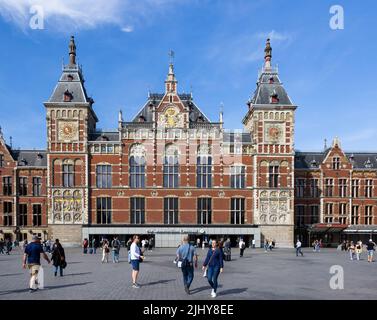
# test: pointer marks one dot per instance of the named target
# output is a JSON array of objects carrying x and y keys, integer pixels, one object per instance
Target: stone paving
[{"x": 258, "y": 275}]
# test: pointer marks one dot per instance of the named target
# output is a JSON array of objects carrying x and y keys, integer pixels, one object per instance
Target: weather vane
[{"x": 171, "y": 56}]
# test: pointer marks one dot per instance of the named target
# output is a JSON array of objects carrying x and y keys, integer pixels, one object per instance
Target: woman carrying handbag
[
  {"x": 213, "y": 266},
  {"x": 58, "y": 258}
]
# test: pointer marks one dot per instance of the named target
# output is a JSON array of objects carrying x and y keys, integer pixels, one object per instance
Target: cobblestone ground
[{"x": 258, "y": 275}]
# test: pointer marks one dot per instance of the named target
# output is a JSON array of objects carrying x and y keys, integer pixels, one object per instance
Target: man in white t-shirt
[
  {"x": 242, "y": 246},
  {"x": 136, "y": 256},
  {"x": 298, "y": 248}
]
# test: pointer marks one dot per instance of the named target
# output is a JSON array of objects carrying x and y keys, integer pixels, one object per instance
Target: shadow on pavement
[
  {"x": 67, "y": 285},
  {"x": 158, "y": 282},
  {"x": 10, "y": 274},
  {"x": 233, "y": 291}
]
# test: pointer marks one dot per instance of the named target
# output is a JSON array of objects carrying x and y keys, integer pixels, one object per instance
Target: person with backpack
[
  {"x": 187, "y": 258},
  {"x": 213, "y": 266},
  {"x": 242, "y": 246},
  {"x": 115, "y": 244},
  {"x": 58, "y": 258}
]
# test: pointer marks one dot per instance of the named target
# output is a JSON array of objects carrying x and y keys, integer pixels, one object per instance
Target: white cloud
[
  {"x": 82, "y": 14},
  {"x": 127, "y": 29}
]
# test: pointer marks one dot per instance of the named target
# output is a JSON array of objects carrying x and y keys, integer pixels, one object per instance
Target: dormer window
[
  {"x": 313, "y": 164},
  {"x": 141, "y": 118},
  {"x": 274, "y": 97},
  {"x": 368, "y": 164},
  {"x": 70, "y": 77},
  {"x": 67, "y": 96},
  {"x": 23, "y": 162},
  {"x": 271, "y": 80},
  {"x": 104, "y": 138},
  {"x": 39, "y": 156}
]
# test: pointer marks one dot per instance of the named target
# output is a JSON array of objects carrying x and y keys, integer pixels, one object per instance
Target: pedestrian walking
[
  {"x": 58, "y": 258},
  {"x": 115, "y": 244},
  {"x": 94, "y": 245},
  {"x": 32, "y": 260},
  {"x": 128, "y": 244},
  {"x": 2, "y": 243},
  {"x": 151, "y": 244},
  {"x": 242, "y": 246},
  {"x": 253, "y": 243},
  {"x": 358, "y": 249},
  {"x": 266, "y": 245},
  {"x": 370, "y": 248},
  {"x": 214, "y": 265},
  {"x": 187, "y": 258},
  {"x": 85, "y": 246},
  {"x": 105, "y": 251},
  {"x": 351, "y": 250},
  {"x": 198, "y": 242},
  {"x": 8, "y": 246},
  {"x": 298, "y": 248},
  {"x": 136, "y": 257}
]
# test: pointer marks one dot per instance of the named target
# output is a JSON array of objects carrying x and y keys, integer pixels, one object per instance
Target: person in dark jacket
[
  {"x": 58, "y": 257},
  {"x": 214, "y": 264}
]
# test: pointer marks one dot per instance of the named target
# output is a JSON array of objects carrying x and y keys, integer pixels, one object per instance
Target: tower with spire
[
  {"x": 270, "y": 122},
  {"x": 70, "y": 121}
]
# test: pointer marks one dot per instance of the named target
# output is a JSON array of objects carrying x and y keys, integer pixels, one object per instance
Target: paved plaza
[{"x": 258, "y": 275}]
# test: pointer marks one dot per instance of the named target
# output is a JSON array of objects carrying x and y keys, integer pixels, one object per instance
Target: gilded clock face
[{"x": 68, "y": 130}]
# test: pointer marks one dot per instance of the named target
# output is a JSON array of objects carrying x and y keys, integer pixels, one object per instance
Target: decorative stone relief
[{"x": 68, "y": 206}]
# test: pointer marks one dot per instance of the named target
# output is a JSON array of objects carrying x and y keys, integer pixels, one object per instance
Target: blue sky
[{"x": 123, "y": 46}]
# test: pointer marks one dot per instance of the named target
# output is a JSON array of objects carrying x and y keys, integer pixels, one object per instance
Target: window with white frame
[
  {"x": 237, "y": 176},
  {"x": 368, "y": 188},
  {"x": 368, "y": 219},
  {"x": 355, "y": 188},
  {"x": 204, "y": 210},
  {"x": 342, "y": 188},
  {"x": 237, "y": 211},
  {"x": 103, "y": 176},
  {"x": 171, "y": 167},
  {"x": 300, "y": 187},
  {"x": 329, "y": 187}
]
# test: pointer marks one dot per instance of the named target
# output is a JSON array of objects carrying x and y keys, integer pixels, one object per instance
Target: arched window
[
  {"x": 137, "y": 166},
  {"x": 237, "y": 177},
  {"x": 171, "y": 167}
]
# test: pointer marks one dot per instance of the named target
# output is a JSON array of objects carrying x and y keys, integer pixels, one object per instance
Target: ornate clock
[
  {"x": 68, "y": 130},
  {"x": 171, "y": 117},
  {"x": 274, "y": 132}
]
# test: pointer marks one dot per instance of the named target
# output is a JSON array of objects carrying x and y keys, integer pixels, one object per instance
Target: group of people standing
[{"x": 355, "y": 250}]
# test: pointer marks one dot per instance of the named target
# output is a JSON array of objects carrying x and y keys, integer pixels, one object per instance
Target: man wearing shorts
[
  {"x": 32, "y": 258},
  {"x": 370, "y": 248},
  {"x": 135, "y": 260}
]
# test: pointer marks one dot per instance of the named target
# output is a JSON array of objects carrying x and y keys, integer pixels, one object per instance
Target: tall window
[
  {"x": 329, "y": 186},
  {"x": 237, "y": 177},
  {"x": 1, "y": 160},
  {"x": 22, "y": 186},
  {"x": 8, "y": 213},
  {"x": 137, "y": 172},
  {"x": 355, "y": 215},
  {"x": 336, "y": 163},
  {"x": 329, "y": 208},
  {"x": 342, "y": 188},
  {"x": 7, "y": 186},
  {"x": 314, "y": 188},
  {"x": 171, "y": 170},
  {"x": 68, "y": 175},
  {"x": 204, "y": 172},
  {"x": 342, "y": 209},
  {"x": 273, "y": 176},
  {"x": 103, "y": 176},
  {"x": 171, "y": 210},
  {"x": 314, "y": 214},
  {"x": 137, "y": 210},
  {"x": 204, "y": 210},
  {"x": 355, "y": 188},
  {"x": 343, "y": 220},
  {"x": 237, "y": 211},
  {"x": 368, "y": 219},
  {"x": 104, "y": 210},
  {"x": 37, "y": 215},
  {"x": 368, "y": 188},
  {"x": 37, "y": 186},
  {"x": 300, "y": 215},
  {"x": 300, "y": 188},
  {"x": 22, "y": 214}
]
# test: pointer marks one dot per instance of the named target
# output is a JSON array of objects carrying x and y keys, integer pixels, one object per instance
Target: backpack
[
  {"x": 115, "y": 244},
  {"x": 243, "y": 246}
]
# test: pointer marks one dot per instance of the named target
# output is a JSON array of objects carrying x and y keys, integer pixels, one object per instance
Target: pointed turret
[
  {"x": 72, "y": 51},
  {"x": 171, "y": 82},
  {"x": 267, "y": 55}
]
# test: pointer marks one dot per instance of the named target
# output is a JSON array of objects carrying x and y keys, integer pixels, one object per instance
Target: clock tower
[
  {"x": 70, "y": 119},
  {"x": 270, "y": 121}
]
